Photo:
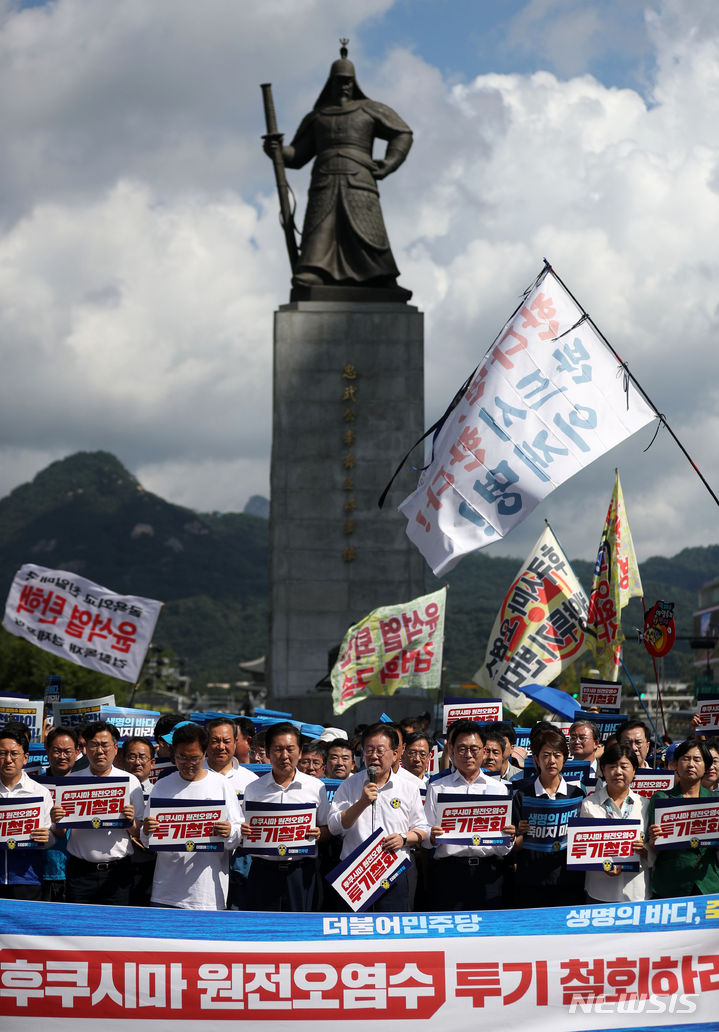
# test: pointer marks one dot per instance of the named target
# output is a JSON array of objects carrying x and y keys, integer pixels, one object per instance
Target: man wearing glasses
[
  {"x": 98, "y": 868},
  {"x": 194, "y": 880},
  {"x": 465, "y": 877},
  {"x": 21, "y": 871},
  {"x": 313, "y": 759},
  {"x": 584, "y": 743},
  {"x": 63, "y": 751},
  {"x": 376, "y": 797}
]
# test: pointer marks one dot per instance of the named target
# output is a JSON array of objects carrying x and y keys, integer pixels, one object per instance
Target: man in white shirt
[
  {"x": 378, "y": 797},
  {"x": 138, "y": 758},
  {"x": 223, "y": 736},
  {"x": 21, "y": 869},
  {"x": 198, "y": 880},
  {"x": 466, "y": 877},
  {"x": 285, "y": 883},
  {"x": 98, "y": 868}
]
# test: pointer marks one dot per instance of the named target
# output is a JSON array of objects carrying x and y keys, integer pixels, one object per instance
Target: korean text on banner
[
  {"x": 545, "y": 402},
  {"x": 366, "y": 874},
  {"x": 478, "y": 710},
  {"x": 538, "y": 629},
  {"x": 616, "y": 580},
  {"x": 74, "y": 712},
  {"x": 279, "y": 829},
  {"x": 22, "y": 711},
  {"x": 628, "y": 965},
  {"x": 187, "y": 826},
  {"x": 81, "y": 621},
  {"x": 393, "y": 646}
]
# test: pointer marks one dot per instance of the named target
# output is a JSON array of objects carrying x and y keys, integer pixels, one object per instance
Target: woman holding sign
[
  {"x": 616, "y": 801},
  {"x": 687, "y": 870},
  {"x": 542, "y": 807}
]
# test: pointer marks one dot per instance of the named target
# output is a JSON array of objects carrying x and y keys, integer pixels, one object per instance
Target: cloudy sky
[{"x": 141, "y": 259}]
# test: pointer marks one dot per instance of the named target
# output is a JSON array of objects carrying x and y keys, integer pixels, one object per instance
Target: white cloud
[{"x": 141, "y": 259}]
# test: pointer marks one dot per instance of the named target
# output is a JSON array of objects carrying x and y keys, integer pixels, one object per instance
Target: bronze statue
[{"x": 344, "y": 241}]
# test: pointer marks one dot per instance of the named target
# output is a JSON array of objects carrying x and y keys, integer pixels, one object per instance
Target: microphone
[{"x": 372, "y": 772}]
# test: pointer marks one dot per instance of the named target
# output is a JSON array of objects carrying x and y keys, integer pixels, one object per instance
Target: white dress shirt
[
  {"x": 398, "y": 809},
  {"x": 456, "y": 784}
]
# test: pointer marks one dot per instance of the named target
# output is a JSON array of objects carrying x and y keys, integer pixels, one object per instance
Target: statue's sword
[{"x": 283, "y": 189}]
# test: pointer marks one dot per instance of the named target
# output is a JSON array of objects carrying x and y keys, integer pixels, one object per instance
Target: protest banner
[
  {"x": 366, "y": 874},
  {"x": 74, "y": 712},
  {"x": 708, "y": 710},
  {"x": 574, "y": 772},
  {"x": 473, "y": 820},
  {"x": 599, "y": 845},
  {"x": 479, "y": 710},
  {"x": 279, "y": 829},
  {"x": 616, "y": 580},
  {"x": 19, "y": 817},
  {"x": 90, "y": 802},
  {"x": 606, "y": 722},
  {"x": 79, "y": 620},
  {"x": 607, "y": 695},
  {"x": 53, "y": 689},
  {"x": 648, "y": 780},
  {"x": 186, "y": 825},
  {"x": 159, "y": 767},
  {"x": 538, "y": 629},
  {"x": 623, "y": 966},
  {"x": 131, "y": 722},
  {"x": 548, "y": 823},
  {"x": 544, "y": 403},
  {"x": 24, "y": 712},
  {"x": 392, "y": 646},
  {"x": 687, "y": 822}
]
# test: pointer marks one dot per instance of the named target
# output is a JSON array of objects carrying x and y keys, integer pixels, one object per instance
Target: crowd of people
[{"x": 377, "y": 777}]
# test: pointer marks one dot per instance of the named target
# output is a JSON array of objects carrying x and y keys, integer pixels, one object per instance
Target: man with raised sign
[
  {"x": 284, "y": 881},
  {"x": 98, "y": 868},
  {"x": 375, "y": 798},
  {"x": 21, "y": 868},
  {"x": 193, "y": 878},
  {"x": 466, "y": 877}
]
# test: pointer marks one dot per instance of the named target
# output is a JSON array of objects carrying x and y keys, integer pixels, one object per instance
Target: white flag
[
  {"x": 90, "y": 625},
  {"x": 548, "y": 399},
  {"x": 538, "y": 629}
]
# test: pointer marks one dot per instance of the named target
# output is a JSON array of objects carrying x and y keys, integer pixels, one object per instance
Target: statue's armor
[{"x": 344, "y": 234}]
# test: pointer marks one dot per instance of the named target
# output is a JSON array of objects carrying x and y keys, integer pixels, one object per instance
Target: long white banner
[
  {"x": 81, "y": 621},
  {"x": 545, "y": 402},
  {"x": 614, "y": 966}
]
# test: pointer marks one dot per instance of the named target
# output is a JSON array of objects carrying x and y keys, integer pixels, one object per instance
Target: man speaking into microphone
[{"x": 376, "y": 798}]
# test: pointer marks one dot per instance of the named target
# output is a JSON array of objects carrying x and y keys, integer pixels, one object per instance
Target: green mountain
[{"x": 89, "y": 515}]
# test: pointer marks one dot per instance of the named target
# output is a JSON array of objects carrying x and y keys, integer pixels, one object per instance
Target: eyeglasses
[
  {"x": 579, "y": 738},
  {"x": 468, "y": 750},
  {"x": 369, "y": 751},
  {"x": 417, "y": 754},
  {"x": 314, "y": 764},
  {"x": 7, "y": 755}
]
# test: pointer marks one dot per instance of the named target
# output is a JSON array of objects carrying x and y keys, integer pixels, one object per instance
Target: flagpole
[
  {"x": 625, "y": 367},
  {"x": 636, "y": 692}
]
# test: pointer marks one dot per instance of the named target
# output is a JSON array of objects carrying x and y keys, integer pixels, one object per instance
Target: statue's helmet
[{"x": 342, "y": 66}]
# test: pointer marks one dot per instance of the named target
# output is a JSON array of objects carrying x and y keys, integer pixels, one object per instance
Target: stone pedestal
[{"x": 348, "y": 402}]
